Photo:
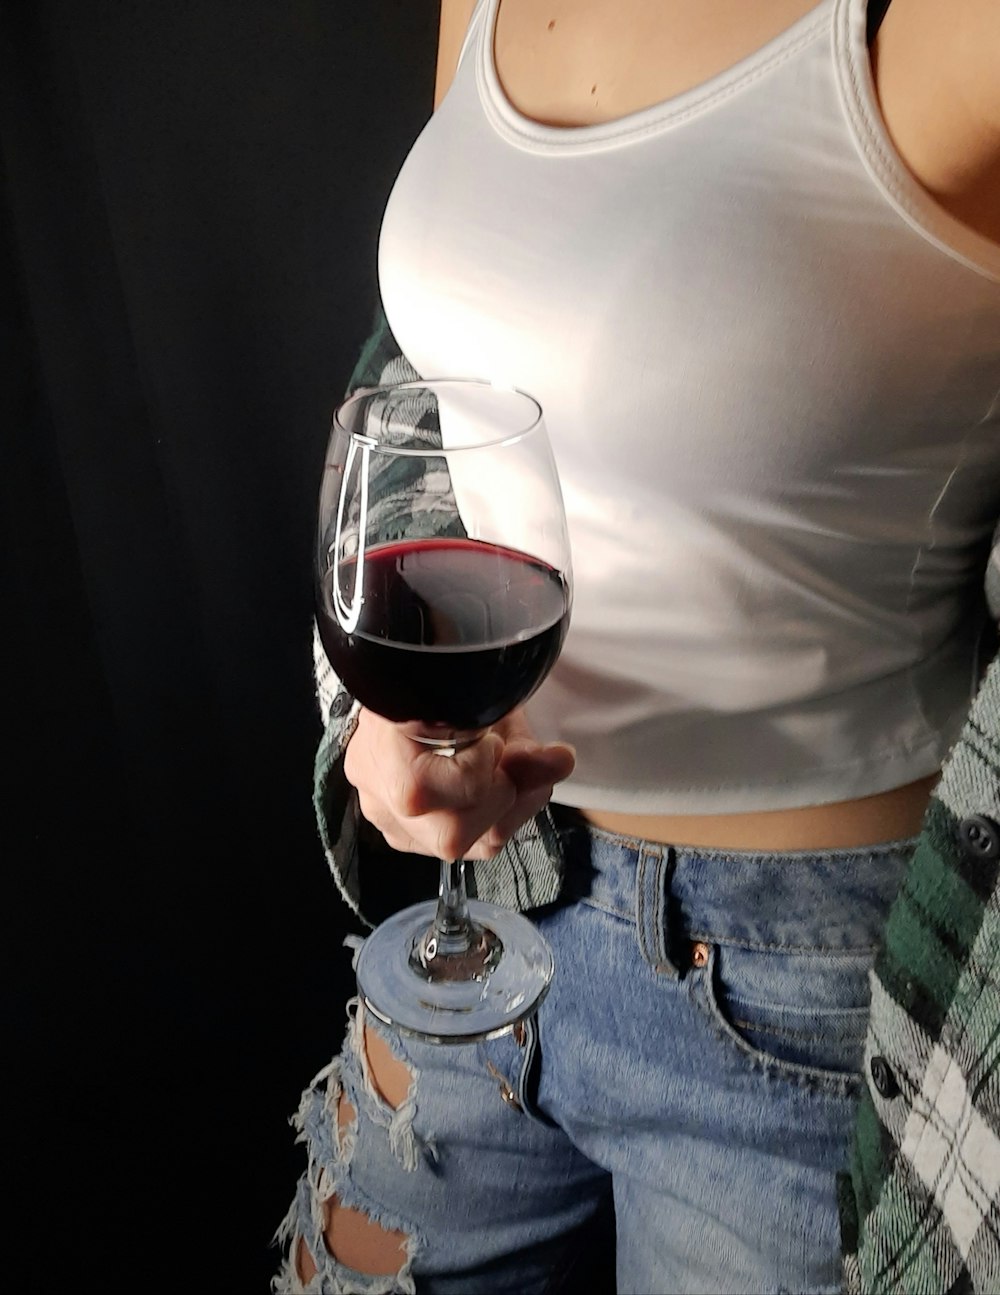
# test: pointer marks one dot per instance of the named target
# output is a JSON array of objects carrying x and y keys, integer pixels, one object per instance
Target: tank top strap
[{"x": 476, "y": 20}]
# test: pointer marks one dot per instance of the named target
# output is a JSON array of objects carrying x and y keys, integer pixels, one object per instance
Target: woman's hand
[{"x": 462, "y": 806}]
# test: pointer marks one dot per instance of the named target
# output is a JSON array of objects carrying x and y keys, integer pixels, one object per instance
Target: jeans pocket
[{"x": 801, "y": 1014}]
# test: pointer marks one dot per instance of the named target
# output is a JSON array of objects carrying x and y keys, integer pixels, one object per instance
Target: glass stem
[{"x": 452, "y": 924}]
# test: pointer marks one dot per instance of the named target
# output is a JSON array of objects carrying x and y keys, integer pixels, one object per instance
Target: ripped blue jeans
[{"x": 698, "y": 1056}]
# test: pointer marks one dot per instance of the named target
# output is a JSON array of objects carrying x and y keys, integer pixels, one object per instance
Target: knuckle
[
  {"x": 391, "y": 830},
  {"x": 397, "y": 839},
  {"x": 373, "y": 811},
  {"x": 535, "y": 802},
  {"x": 451, "y": 841},
  {"x": 409, "y": 795},
  {"x": 465, "y": 791},
  {"x": 353, "y": 763}
]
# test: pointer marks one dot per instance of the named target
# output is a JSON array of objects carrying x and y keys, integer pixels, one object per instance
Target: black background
[{"x": 190, "y": 202}]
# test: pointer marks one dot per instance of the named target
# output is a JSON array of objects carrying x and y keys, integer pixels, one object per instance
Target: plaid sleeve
[
  {"x": 528, "y": 871},
  {"x": 920, "y": 1204},
  {"x": 992, "y": 582}
]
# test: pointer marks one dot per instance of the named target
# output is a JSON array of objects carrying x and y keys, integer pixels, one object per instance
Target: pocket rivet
[
  {"x": 507, "y": 1093},
  {"x": 699, "y": 954},
  {"x": 520, "y": 1034}
]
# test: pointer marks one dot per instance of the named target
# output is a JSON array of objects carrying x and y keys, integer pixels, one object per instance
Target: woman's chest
[
  {"x": 692, "y": 311},
  {"x": 579, "y": 62}
]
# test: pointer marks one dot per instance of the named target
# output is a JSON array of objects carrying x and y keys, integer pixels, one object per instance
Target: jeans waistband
[{"x": 824, "y": 900}]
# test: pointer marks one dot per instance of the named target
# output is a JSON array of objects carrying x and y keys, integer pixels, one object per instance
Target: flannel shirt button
[
  {"x": 980, "y": 838},
  {"x": 883, "y": 1078},
  {"x": 340, "y": 705}
]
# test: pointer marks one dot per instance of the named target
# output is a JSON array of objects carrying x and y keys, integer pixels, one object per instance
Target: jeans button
[{"x": 883, "y": 1078}]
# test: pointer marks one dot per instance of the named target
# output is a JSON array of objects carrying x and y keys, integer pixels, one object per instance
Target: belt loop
[{"x": 655, "y": 871}]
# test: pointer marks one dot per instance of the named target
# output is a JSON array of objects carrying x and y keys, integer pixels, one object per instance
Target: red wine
[{"x": 452, "y": 631}]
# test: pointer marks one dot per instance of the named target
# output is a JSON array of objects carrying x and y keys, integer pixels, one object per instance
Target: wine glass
[{"x": 444, "y": 593}]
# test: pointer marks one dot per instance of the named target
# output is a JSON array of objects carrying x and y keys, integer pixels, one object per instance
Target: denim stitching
[
  {"x": 588, "y": 902},
  {"x": 731, "y": 942},
  {"x": 840, "y": 1083},
  {"x": 798, "y": 1036},
  {"x": 819, "y": 951},
  {"x": 845, "y": 855}
]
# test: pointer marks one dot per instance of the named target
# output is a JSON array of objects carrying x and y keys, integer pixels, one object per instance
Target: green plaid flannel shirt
[
  {"x": 920, "y": 1198},
  {"x": 920, "y": 1203}
]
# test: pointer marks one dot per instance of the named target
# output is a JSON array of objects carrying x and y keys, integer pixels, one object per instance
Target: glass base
[{"x": 398, "y": 991}]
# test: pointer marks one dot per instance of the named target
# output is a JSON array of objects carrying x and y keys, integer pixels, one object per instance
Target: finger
[
  {"x": 525, "y": 809},
  {"x": 458, "y": 783},
  {"x": 370, "y": 748},
  {"x": 452, "y": 837},
  {"x": 434, "y": 835},
  {"x": 384, "y": 761},
  {"x": 428, "y": 804},
  {"x": 529, "y": 765},
  {"x": 392, "y": 828},
  {"x": 441, "y": 834}
]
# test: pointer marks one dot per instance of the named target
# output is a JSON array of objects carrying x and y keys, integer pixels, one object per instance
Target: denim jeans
[{"x": 698, "y": 1056}]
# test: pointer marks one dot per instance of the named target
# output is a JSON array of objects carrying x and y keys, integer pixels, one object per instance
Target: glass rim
[{"x": 418, "y": 384}]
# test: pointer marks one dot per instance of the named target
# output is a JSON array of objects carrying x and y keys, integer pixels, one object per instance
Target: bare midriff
[{"x": 872, "y": 820}]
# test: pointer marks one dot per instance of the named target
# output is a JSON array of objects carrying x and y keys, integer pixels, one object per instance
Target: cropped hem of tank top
[{"x": 770, "y": 369}]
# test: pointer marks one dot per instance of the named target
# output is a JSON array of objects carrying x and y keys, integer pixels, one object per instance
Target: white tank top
[{"x": 770, "y": 369}]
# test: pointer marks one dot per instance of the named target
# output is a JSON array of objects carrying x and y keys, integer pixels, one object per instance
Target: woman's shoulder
[
  {"x": 454, "y": 23},
  {"x": 935, "y": 68}
]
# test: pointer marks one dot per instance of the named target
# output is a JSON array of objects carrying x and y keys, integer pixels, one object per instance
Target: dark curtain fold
[{"x": 189, "y": 211}]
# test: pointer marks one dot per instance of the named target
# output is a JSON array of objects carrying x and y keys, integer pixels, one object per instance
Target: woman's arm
[
  {"x": 455, "y": 15},
  {"x": 937, "y": 73}
]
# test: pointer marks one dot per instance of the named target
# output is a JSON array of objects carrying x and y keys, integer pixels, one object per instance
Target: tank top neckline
[
  {"x": 536, "y": 136},
  {"x": 842, "y": 24}
]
